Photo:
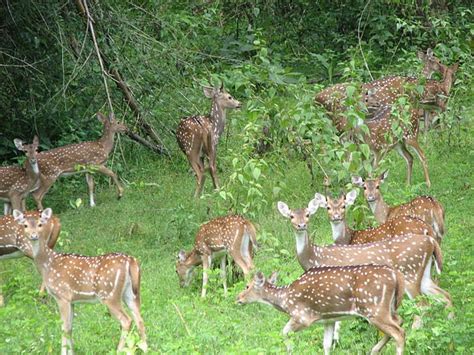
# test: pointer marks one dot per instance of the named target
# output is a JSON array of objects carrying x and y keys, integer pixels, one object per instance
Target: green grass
[{"x": 158, "y": 216}]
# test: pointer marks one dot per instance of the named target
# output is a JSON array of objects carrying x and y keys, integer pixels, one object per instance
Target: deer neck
[
  {"x": 341, "y": 233},
  {"x": 107, "y": 139},
  {"x": 218, "y": 118},
  {"x": 33, "y": 174},
  {"x": 306, "y": 251},
  {"x": 276, "y": 297},
  {"x": 380, "y": 209},
  {"x": 193, "y": 259},
  {"x": 42, "y": 256}
]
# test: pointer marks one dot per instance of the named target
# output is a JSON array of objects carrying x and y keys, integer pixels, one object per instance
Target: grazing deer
[
  {"x": 233, "y": 235},
  {"x": 342, "y": 234},
  {"x": 326, "y": 294},
  {"x": 77, "y": 158},
  {"x": 109, "y": 279},
  {"x": 381, "y": 139},
  {"x": 198, "y": 136},
  {"x": 411, "y": 254},
  {"x": 15, "y": 182},
  {"x": 426, "y": 208}
]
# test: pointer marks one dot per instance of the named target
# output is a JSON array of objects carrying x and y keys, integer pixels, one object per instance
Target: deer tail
[
  {"x": 252, "y": 233},
  {"x": 134, "y": 271},
  {"x": 438, "y": 257}
]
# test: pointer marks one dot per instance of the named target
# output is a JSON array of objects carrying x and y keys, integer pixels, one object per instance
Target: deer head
[
  {"x": 30, "y": 150},
  {"x": 111, "y": 124},
  {"x": 221, "y": 97},
  {"x": 336, "y": 206},
  {"x": 431, "y": 63},
  {"x": 299, "y": 218},
  {"x": 33, "y": 227},
  {"x": 371, "y": 186},
  {"x": 254, "y": 292},
  {"x": 183, "y": 270}
]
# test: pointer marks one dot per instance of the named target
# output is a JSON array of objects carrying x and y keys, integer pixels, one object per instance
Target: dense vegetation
[{"x": 273, "y": 57}]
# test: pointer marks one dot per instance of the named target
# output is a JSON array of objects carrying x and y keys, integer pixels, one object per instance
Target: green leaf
[{"x": 256, "y": 172}]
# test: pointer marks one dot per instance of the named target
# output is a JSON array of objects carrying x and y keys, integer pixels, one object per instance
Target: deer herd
[{"x": 365, "y": 273}]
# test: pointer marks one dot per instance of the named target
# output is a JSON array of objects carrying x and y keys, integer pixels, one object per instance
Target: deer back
[
  {"x": 193, "y": 134},
  {"x": 12, "y": 179},
  {"x": 395, "y": 227}
]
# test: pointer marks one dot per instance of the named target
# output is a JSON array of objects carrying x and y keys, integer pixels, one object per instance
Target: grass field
[{"x": 158, "y": 216}]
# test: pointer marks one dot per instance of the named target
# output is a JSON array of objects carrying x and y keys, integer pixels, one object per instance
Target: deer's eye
[
  {"x": 25, "y": 225},
  {"x": 40, "y": 225},
  {"x": 292, "y": 217},
  {"x": 307, "y": 215},
  {"x": 378, "y": 187},
  {"x": 365, "y": 187},
  {"x": 329, "y": 208}
]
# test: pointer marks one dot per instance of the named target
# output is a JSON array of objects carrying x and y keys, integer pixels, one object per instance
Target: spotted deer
[
  {"x": 343, "y": 235},
  {"x": 232, "y": 235},
  {"x": 332, "y": 98},
  {"x": 198, "y": 135},
  {"x": 381, "y": 139},
  {"x": 426, "y": 208},
  {"x": 411, "y": 254},
  {"x": 79, "y": 158},
  {"x": 330, "y": 293},
  {"x": 17, "y": 182},
  {"x": 70, "y": 278}
]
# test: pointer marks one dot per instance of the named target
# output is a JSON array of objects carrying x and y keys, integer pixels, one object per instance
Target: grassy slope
[{"x": 154, "y": 222}]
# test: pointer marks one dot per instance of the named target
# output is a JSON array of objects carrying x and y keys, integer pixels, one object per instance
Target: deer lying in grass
[
  {"x": 426, "y": 208},
  {"x": 16, "y": 182},
  {"x": 109, "y": 279},
  {"x": 342, "y": 234},
  {"x": 78, "y": 158},
  {"x": 198, "y": 136},
  {"x": 329, "y": 293},
  {"x": 233, "y": 235},
  {"x": 411, "y": 254}
]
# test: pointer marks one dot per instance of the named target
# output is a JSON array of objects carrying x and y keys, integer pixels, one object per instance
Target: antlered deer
[
  {"x": 109, "y": 279},
  {"x": 329, "y": 293},
  {"x": 198, "y": 136},
  {"x": 17, "y": 182},
  {"x": 342, "y": 234},
  {"x": 233, "y": 235},
  {"x": 426, "y": 208},
  {"x": 77, "y": 158}
]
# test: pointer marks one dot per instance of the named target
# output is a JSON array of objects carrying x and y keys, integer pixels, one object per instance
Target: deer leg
[
  {"x": 391, "y": 329},
  {"x": 246, "y": 250},
  {"x": 328, "y": 337},
  {"x": 337, "y": 326},
  {"x": 240, "y": 261},
  {"x": 223, "y": 273},
  {"x": 402, "y": 150},
  {"x": 67, "y": 315},
  {"x": 39, "y": 194},
  {"x": 427, "y": 119},
  {"x": 133, "y": 303},
  {"x": 198, "y": 167},
  {"x": 90, "y": 185},
  {"x": 206, "y": 264},
  {"x": 7, "y": 208},
  {"x": 116, "y": 310},
  {"x": 16, "y": 203},
  {"x": 106, "y": 171},
  {"x": 419, "y": 152},
  {"x": 291, "y": 326}
]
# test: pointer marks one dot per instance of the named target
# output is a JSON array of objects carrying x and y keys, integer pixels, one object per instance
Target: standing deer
[
  {"x": 342, "y": 234},
  {"x": 70, "y": 278},
  {"x": 426, "y": 208},
  {"x": 411, "y": 254},
  {"x": 13, "y": 244},
  {"x": 381, "y": 139},
  {"x": 326, "y": 294},
  {"x": 77, "y": 158},
  {"x": 332, "y": 98},
  {"x": 233, "y": 235},
  {"x": 15, "y": 182},
  {"x": 198, "y": 136}
]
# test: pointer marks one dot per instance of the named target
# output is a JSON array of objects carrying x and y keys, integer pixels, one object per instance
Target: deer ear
[
  {"x": 312, "y": 207},
  {"x": 46, "y": 215},
  {"x": 357, "y": 181},
  {"x": 284, "y": 209},
  {"x": 18, "y": 217},
  {"x": 351, "y": 197},
  {"x": 101, "y": 117},
  {"x": 383, "y": 176},
  {"x": 36, "y": 142},
  {"x": 429, "y": 52},
  {"x": 221, "y": 89},
  {"x": 111, "y": 117},
  {"x": 208, "y": 91},
  {"x": 320, "y": 200},
  {"x": 420, "y": 55},
  {"x": 182, "y": 256},
  {"x": 18, "y": 144},
  {"x": 259, "y": 279},
  {"x": 273, "y": 278}
]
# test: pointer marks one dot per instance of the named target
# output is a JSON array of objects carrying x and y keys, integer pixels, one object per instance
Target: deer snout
[
  {"x": 34, "y": 237},
  {"x": 336, "y": 217},
  {"x": 301, "y": 226},
  {"x": 238, "y": 104},
  {"x": 370, "y": 198}
]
